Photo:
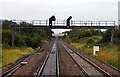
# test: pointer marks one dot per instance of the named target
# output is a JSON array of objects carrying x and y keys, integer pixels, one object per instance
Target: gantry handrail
[{"x": 63, "y": 23}]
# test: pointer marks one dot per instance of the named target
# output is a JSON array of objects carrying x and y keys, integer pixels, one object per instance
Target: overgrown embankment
[
  {"x": 11, "y": 55},
  {"x": 84, "y": 40},
  {"x": 26, "y": 41}
]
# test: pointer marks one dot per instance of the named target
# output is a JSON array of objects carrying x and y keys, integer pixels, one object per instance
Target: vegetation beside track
[
  {"x": 26, "y": 41},
  {"x": 11, "y": 55},
  {"x": 84, "y": 40}
]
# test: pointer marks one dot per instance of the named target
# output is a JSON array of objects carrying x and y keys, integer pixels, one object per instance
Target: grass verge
[
  {"x": 9, "y": 56},
  {"x": 107, "y": 53}
]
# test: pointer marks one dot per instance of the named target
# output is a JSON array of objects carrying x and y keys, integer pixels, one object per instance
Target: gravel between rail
[
  {"x": 67, "y": 66},
  {"x": 30, "y": 69},
  {"x": 109, "y": 69}
]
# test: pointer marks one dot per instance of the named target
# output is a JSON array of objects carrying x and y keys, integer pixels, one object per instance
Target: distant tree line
[
  {"x": 25, "y": 37},
  {"x": 75, "y": 34}
]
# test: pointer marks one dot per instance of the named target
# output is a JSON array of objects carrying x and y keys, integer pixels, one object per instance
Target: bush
[
  {"x": 117, "y": 36},
  {"x": 90, "y": 41},
  {"x": 19, "y": 41},
  {"x": 76, "y": 34},
  {"x": 67, "y": 39},
  {"x": 106, "y": 36},
  {"x": 6, "y": 36},
  {"x": 33, "y": 42},
  {"x": 24, "y": 37},
  {"x": 6, "y": 24},
  {"x": 5, "y": 45},
  {"x": 74, "y": 39}
]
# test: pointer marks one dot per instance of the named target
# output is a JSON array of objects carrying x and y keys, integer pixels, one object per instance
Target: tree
[
  {"x": 106, "y": 36},
  {"x": 117, "y": 36},
  {"x": 25, "y": 37},
  {"x": 6, "y": 24}
]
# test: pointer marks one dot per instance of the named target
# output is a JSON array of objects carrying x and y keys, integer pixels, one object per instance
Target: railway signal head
[
  {"x": 68, "y": 21},
  {"x": 52, "y": 18}
]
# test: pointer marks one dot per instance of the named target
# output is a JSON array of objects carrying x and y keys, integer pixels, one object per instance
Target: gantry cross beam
[{"x": 63, "y": 24}]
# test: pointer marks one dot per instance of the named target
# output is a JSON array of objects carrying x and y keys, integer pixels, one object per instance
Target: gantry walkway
[{"x": 61, "y": 24}]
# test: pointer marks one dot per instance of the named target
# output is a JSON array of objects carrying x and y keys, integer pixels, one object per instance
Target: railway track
[
  {"x": 9, "y": 72},
  {"x": 88, "y": 68},
  {"x": 50, "y": 66}
]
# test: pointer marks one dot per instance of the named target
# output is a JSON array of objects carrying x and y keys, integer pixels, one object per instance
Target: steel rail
[
  {"x": 15, "y": 68},
  {"x": 90, "y": 62},
  {"x": 44, "y": 63}
]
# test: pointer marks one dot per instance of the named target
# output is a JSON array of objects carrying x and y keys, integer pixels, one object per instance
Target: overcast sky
[{"x": 62, "y": 9}]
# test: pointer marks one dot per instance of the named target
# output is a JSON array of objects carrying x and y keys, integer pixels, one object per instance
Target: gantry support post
[
  {"x": 13, "y": 36},
  {"x": 13, "y": 33},
  {"x": 112, "y": 37}
]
